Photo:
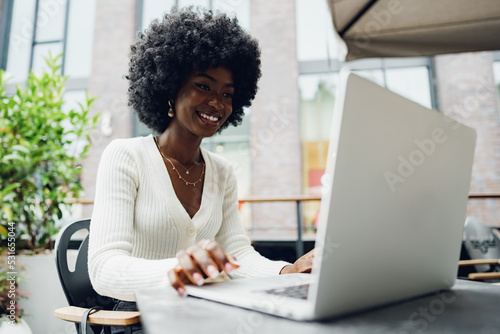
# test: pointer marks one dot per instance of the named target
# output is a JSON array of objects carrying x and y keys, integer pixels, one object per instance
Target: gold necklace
[
  {"x": 175, "y": 169},
  {"x": 163, "y": 155}
]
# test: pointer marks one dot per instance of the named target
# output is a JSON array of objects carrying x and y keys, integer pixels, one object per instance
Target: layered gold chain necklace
[{"x": 187, "y": 170}]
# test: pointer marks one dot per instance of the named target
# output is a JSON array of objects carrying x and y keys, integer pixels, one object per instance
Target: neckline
[
  {"x": 165, "y": 183},
  {"x": 155, "y": 138}
]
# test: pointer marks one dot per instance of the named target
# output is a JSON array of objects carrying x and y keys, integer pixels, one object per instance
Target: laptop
[{"x": 392, "y": 212}]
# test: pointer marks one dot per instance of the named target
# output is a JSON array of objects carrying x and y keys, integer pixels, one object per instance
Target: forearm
[
  {"x": 115, "y": 274},
  {"x": 252, "y": 264}
]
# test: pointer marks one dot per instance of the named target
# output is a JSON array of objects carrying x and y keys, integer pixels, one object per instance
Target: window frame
[
  {"x": 383, "y": 64},
  {"x": 35, "y": 43},
  {"x": 5, "y": 25},
  {"x": 5, "y": 30},
  {"x": 496, "y": 59},
  {"x": 496, "y": 55}
]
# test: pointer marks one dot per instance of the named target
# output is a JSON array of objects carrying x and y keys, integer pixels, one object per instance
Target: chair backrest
[
  {"x": 480, "y": 241},
  {"x": 76, "y": 284}
]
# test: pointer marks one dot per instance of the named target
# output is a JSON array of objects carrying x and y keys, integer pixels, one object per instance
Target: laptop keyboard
[{"x": 297, "y": 291}]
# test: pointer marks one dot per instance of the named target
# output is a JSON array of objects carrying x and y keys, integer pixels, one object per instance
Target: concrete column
[
  {"x": 115, "y": 26},
  {"x": 467, "y": 93},
  {"x": 275, "y": 137}
]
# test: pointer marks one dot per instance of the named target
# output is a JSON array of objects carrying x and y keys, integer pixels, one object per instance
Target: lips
[{"x": 210, "y": 119}]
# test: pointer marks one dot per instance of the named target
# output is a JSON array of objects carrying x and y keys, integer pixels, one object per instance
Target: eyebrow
[{"x": 204, "y": 75}]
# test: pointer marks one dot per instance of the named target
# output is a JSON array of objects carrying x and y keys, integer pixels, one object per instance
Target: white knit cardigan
[{"x": 138, "y": 223}]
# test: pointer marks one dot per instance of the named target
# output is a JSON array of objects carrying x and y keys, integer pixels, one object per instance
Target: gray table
[{"x": 470, "y": 307}]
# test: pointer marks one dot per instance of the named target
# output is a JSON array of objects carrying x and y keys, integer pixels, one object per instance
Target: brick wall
[
  {"x": 275, "y": 138},
  {"x": 115, "y": 26},
  {"x": 467, "y": 93}
]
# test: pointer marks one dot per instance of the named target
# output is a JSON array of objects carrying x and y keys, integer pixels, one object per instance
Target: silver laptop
[{"x": 392, "y": 212}]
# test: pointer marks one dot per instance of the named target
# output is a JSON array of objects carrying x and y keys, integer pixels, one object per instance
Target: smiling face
[{"x": 204, "y": 101}]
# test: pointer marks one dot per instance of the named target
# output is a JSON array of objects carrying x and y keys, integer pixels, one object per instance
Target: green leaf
[
  {"x": 8, "y": 188},
  {"x": 9, "y": 197},
  {"x": 3, "y": 232},
  {"x": 20, "y": 148},
  {"x": 7, "y": 211},
  {"x": 10, "y": 157}
]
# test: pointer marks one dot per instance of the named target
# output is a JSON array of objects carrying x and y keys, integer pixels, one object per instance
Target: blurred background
[{"x": 280, "y": 149}]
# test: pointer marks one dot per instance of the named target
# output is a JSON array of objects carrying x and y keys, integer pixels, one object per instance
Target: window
[
  {"x": 376, "y": 75},
  {"x": 239, "y": 9},
  {"x": 317, "y": 96},
  {"x": 411, "y": 82},
  {"x": 409, "y": 77},
  {"x": 79, "y": 39},
  {"x": 496, "y": 77},
  {"x": 38, "y": 27},
  {"x": 155, "y": 9},
  {"x": 315, "y": 36},
  {"x": 49, "y": 29},
  {"x": 317, "y": 50}
]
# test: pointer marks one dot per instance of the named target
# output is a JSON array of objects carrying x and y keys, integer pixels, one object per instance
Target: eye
[
  {"x": 228, "y": 95},
  {"x": 202, "y": 86}
]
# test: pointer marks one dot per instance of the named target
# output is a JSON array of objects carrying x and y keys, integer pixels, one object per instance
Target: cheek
[
  {"x": 229, "y": 111},
  {"x": 188, "y": 97},
  {"x": 229, "y": 108}
]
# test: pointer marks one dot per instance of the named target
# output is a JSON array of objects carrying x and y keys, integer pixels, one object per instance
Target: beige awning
[{"x": 408, "y": 28}]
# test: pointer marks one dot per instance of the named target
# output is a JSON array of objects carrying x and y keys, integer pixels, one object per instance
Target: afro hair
[{"x": 164, "y": 56}]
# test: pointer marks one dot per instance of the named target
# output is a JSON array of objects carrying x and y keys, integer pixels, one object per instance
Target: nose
[{"x": 215, "y": 100}]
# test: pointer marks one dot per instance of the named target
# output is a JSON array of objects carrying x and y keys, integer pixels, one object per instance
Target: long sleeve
[
  {"x": 234, "y": 241},
  {"x": 112, "y": 268},
  {"x": 138, "y": 224}
]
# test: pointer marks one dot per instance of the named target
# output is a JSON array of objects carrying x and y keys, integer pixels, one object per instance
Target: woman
[{"x": 166, "y": 210}]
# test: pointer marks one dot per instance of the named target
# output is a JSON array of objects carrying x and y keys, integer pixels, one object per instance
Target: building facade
[{"x": 280, "y": 149}]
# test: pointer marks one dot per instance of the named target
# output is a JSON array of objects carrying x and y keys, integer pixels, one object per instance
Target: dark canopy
[{"x": 407, "y": 28}]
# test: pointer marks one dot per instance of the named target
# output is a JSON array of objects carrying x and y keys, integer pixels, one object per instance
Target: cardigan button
[{"x": 191, "y": 231}]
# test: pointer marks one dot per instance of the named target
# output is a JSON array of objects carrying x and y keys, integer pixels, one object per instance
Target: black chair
[{"x": 88, "y": 310}]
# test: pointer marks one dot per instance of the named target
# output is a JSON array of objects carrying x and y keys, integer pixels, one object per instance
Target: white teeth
[{"x": 210, "y": 118}]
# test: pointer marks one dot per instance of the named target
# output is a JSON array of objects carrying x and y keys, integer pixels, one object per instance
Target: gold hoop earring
[{"x": 171, "y": 110}]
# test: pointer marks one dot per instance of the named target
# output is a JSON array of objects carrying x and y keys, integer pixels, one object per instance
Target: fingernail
[
  {"x": 228, "y": 267},
  {"x": 182, "y": 292},
  {"x": 212, "y": 272},
  {"x": 198, "y": 279}
]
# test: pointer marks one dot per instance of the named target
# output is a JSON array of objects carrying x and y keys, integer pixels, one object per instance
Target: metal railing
[
  {"x": 298, "y": 199},
  {"x": 299, "y": 242}
]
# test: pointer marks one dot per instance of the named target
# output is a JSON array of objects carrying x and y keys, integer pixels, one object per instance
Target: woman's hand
[
  {"x": 302, "y": 265},
  {"x": 197, "y": 262}
]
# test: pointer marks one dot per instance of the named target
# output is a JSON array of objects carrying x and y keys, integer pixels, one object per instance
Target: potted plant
[{"x": 42, "y": 144}]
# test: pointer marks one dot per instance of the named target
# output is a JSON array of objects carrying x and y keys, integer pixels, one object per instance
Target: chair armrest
[
  {"x": 103, "y": 317},
  {"x": 492, "y": 275},
  {"x": 478, "y": 262}
]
